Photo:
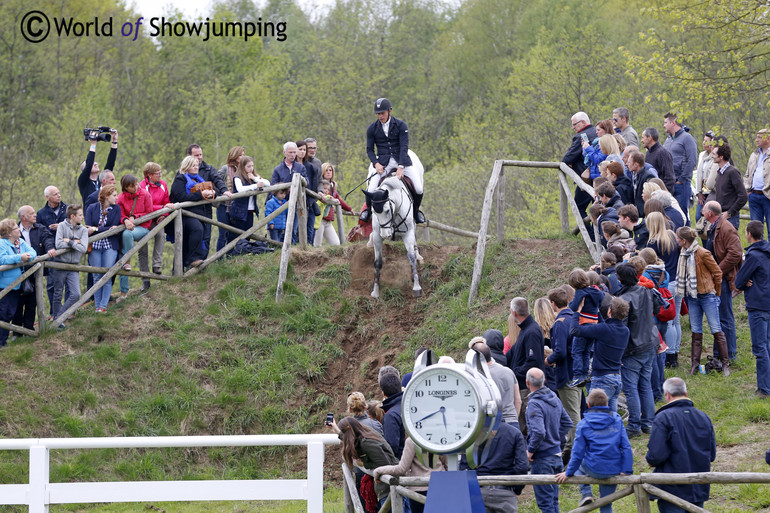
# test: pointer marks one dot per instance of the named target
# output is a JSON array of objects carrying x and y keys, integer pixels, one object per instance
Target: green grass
[{"x": 217, "y": 354}]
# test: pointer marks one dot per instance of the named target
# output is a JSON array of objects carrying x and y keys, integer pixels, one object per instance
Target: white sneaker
[{"x": 585, "y": 500}]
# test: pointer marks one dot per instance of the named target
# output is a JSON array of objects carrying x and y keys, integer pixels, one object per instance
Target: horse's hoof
[{"x": 417, "y": 293}]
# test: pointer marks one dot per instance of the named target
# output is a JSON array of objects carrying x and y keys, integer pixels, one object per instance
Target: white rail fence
[{"x": 39, "y": 492}]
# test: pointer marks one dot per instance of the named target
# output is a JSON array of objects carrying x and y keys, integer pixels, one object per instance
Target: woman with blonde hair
[
  {"x": 188, "y": 185},
  {"x": 13, "y": 250},
  {"x": 663, "y": 242},
  {"x": 608, "y": 150},
  {"x": 648, "y": 188}
]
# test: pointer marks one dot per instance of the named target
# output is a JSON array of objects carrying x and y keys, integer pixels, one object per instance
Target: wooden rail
[{"x": 640, "y": 485}]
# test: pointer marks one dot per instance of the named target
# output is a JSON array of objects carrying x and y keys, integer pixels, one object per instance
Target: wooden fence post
[
  {"x": 340, "y": 224},
  {"x": 501, "y": 206},
  {"x": 303, "y": 215},
  {"x": 286, "y": 249},
  {"x": 563, "y": 208},
  {"x": 40, "y": 293},
  {"x": 481, "y": 243},
  {"x": 642, "y": 499}
]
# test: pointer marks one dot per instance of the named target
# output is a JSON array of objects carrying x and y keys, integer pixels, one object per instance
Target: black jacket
[
  {"x": 660, "y": 158},
  {"x": 642, "y": 302},
  {"x": 527, "y": 352},
  {"x": 574, "y": 156},
  {"x": 85, "y": 185},
  {"x": 47, "y": 216},
  {"x": 392, "y": 424},
  {"x": 625, "y": 189},
  {"x": 682, "y": 440},
  {"x": 642, "y": 177},
  {"x": 395, "y": 144},
  {"x": 41, "y": 240},
  {"x": 178, "y": 194}
]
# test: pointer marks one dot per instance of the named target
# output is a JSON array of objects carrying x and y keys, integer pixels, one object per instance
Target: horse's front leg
[
  {"x": 411, "y": 254},
  {"x": 377, "y": 265}
]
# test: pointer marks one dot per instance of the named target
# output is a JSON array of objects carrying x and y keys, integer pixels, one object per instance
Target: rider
[{"x": 391, "y": 138}]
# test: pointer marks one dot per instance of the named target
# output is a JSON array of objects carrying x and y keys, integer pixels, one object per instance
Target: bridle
[{"x": 391, "y": 222}]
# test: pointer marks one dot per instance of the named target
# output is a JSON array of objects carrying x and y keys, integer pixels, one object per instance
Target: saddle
[{"x": 406, "y": 181}]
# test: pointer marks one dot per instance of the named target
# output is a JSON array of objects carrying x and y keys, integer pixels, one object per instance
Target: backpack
[
  {"x": 668, "y": 310},
  {"x": 250, "y": 247}
]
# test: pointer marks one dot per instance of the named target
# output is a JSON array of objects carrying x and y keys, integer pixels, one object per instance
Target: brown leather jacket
[
  {"x": 707, "y": 271},
  {"x": 728, "y": 251}
]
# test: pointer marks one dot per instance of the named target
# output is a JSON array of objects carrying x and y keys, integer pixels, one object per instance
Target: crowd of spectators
[
  {"x": 609, "y": 332},
  {"x": 106, "y": 204}
]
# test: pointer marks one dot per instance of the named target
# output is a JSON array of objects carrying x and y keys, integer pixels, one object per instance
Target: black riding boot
[
  {"x": 418, "y": 217},
  {"x": 366, "y": 215}
]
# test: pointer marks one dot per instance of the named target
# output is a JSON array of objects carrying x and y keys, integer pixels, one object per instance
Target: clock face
[{"x": 441, "y": 410}]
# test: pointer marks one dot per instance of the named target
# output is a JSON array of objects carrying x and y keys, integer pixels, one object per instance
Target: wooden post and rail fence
[
  {"x": 642, "y": 486},
  {"x": 296, "y": 206},
  {"x": 495, "y": 196}
]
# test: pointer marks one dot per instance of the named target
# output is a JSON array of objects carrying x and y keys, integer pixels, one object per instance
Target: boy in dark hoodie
[
  {"x": 610, "y": 340},
  {"x": 586, "y": 303},
  {"x": 754, "y": 278},
  {"x": 601, "y": 449}
]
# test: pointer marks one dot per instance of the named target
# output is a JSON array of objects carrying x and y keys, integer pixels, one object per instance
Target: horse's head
[{"x": 382, "y": 210}]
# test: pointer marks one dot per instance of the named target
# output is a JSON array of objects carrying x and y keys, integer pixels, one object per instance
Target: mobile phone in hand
[
  {"x": 329, "y": 419},
  {"x": 584, "y": 137}
]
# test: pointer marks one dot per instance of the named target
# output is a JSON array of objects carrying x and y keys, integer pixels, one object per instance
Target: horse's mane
[{"x": 391, "y": 183}]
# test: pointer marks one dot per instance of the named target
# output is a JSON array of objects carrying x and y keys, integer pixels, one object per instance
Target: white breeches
[
  {"x": 414, "y": 172},
  {"x": 328, "y": 232}
]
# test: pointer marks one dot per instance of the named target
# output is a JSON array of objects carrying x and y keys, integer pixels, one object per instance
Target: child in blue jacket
[
  {"x": 588, "y": 313},
  {"x": 601, "y": 449},
  {"x": 277, "y": 226}
]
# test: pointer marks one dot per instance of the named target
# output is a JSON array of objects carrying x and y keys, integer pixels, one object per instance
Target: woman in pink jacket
[
  {"x": 134, "y": 203},
  {"x": 158, "y": 191}
]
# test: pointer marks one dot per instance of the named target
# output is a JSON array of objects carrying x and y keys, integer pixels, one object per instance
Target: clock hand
[
  {"x": 432, "y": 414},
  {"x": 443, "y": 414}
]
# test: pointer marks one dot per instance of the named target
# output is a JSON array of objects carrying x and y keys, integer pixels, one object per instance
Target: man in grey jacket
[
  {"x": 73, "y": 235},
  {"x": 684, "y": 152}
]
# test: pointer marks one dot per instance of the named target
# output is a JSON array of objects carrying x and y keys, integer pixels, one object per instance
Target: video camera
[{"x": 104, "y": 133}]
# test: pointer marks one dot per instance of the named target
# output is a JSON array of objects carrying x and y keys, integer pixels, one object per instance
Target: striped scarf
[{"x": 686, "y": 278}]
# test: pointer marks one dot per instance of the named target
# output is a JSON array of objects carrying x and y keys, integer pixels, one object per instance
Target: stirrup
[{"x": 419, "y": 218}]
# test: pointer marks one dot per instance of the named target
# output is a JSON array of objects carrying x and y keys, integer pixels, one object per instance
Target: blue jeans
[
  {"x": 547, "y": 496},
  {"x": 727, "y": 320},
  {"x": 102, "y": 258},
  {"x": 8, "y": 305},
  {"x": 704, "y": 304},
  {"x": 658, "y": 376},
  {"x": 612, "y": 386},
  {"x": 70, "y": 280},
  {"x": 604, "y": 489},
  {"x": 673, "y": 334},
  {"x": 667, "y": 507},
  {"x": 636, "y": 373},
  {"x": 276, "y": 234},
  {"x": 128, "y": 238},
  {"x": 759, "y": 325},
  {"x": 682, "y": 192},
  {"x": 581, "y": 348},
  {"x": 225, "y": 236},
  {"x": 759, "y": 209},
  {"x": 407, "y": 505}
]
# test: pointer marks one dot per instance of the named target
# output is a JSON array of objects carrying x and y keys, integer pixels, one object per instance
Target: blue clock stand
[{"x": 455, "y": 490}]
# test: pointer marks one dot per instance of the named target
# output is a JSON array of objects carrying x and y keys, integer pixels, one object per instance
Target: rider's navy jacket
[{"x": 395, "y": 144}]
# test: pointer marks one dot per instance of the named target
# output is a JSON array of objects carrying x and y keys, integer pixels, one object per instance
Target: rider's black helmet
[{"x": 382, "y": 105}]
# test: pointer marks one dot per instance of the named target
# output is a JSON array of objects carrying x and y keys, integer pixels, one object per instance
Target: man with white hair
[
  {"x": 282, "y": 173},
  {"x": 53, "y": 212},
  {"x": 682, "y": 441},
  {"x": 40, "y": 239},
  {"x": 581, "y": 125}
]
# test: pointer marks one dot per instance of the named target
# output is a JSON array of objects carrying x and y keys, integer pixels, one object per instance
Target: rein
[{"x": 390, "y": 222}]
